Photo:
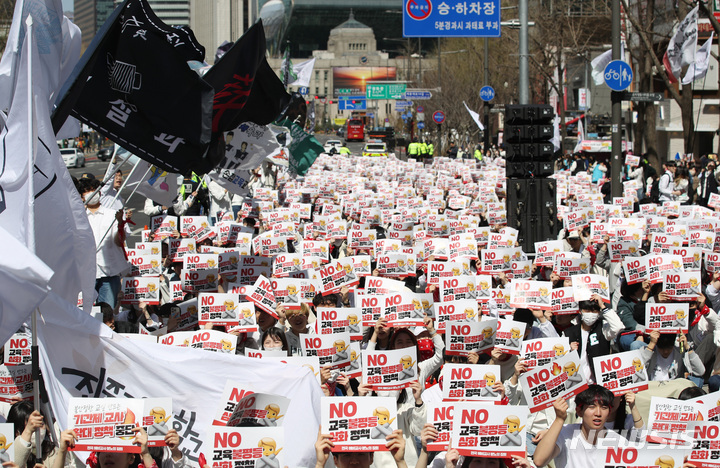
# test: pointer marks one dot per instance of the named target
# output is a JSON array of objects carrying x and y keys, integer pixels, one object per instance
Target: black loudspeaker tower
[{"x": 531, "y": 196}]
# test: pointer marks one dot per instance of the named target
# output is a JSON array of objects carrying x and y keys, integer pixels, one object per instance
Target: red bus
[{"x": 355, "y": 130}]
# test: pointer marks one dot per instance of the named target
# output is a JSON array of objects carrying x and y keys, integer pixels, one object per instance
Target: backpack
[{"x": 655, "y": 191}]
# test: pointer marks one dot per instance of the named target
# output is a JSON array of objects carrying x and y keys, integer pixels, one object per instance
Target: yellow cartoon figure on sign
[
  {"x": 383, "y": 428},
  {"x": 272, "y": 414},
  {"x": 229, "y": 312},
  {"x": 513, "y": 436},
  {"x": 159, "y": 425},
  {"x": 514, "y": 340},
  {"x": 487, "y": 391},
  {"x": 639, "y": 375},
  {"x": 4, "y": 457},
  {"x": 407, "y": 371},
  {"x": 680, "y": 319},
  {"x": 227, "y": 346},
  {"x": 270, "y": 451},
  {"x": 340, "y": 351},
  {"x": 574, "y": 377},
  {"x": 488, "y": 337},
  {"x": 559, "y": 350},
  {"x": 665, "y": 461}
]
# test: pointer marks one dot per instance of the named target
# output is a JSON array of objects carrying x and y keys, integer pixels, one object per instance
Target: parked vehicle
[{"x": 73, "y": 157}]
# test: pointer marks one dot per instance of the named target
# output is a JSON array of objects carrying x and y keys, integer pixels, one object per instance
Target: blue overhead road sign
[
  {"x": 419, "y": 95},
  {"x": 451, "y": 18},
  {"x": 618, "y": 75}
]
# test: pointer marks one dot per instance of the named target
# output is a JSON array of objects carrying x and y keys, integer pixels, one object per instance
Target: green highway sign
[{"x": 385, "y": 90}]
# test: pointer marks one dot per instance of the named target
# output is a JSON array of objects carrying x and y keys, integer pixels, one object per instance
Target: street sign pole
[
  {"x": 615, "y": 181},
  {"x": 486, "y": 107}
]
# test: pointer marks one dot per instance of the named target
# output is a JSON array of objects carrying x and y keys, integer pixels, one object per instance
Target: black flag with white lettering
[
  {"x": 134, "y": 86},
  {"x": 246, "y": 88}
]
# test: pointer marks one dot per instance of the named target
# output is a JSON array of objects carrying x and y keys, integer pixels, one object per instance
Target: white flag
[
  {"x": 475, "y": 116},
  {"x": 58, "y": 46},
  {"x": 580, "y": 136},
  {"x": 699, "y": 69},
  {"x": 62, "y": 234},
  {"x": 681, "y": 48},
  {"x": 152, "y": 182},
  {"x": 24, "y": 283},
  {"x": 555, "y": 140},
  {"x": 599, "y": 63},
  {"x": 102, "y": 363},
  {"x": 303, "y": 71}
]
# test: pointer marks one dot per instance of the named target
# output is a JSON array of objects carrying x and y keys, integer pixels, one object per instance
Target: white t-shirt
[
  {"x": 110, "y": 257},
  {"x": 576, "y": 452}
]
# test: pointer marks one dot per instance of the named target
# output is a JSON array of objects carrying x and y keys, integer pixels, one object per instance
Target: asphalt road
[{"x": 137, "y": 202}]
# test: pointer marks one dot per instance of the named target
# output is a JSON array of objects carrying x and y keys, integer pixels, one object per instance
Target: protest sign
[
  {"x": 284, "y": 264},
  {"x": 670, "y": 420},
  {"x": 339, "y": 320},
  {"x": 263, "y": 296},
  {"x": 379, "y": 285},
  {"x": 636, "y": 269},
  {"x": 464, "y": 310},
  {"x": 440, "y": 415},
  {"x": 259, "y": 409},
  {"x": 354, "y": 369},
  {"x": 336, "y": 274},
  {"x": 144, "y": 263},
  {"x": 457, "y": 288},
  {"x": 15, "y": 382},
  {"x": 199, "y": 280},
  {"x": 520, "y": 269},
  {"x": 371, "y": 308},
  {"x": 705, "y": 450},
  {"x": 563, "y": 301},
  {"x": 390, "y": 369},
  {"x": 567, "y": 267},
  {"x": 470, "y": 382},
  {"x": 265, "y": 353},
  {"x": 200, "y": 261},
  {"x": 17, "y": 351},
  {"x": 362, "y": 239},
  {"x": 246, "y": 447},
  {"x": 497, "y": 260},
  {"x": 682, "y": 286},
  {"x": 622, "y": 249},
  {"x": 184, "y": 317},
  {"x": 621, "y": 372},
  {"x": 315, "y": 250},
  {"x": 584, "y": 286},
  {"x": 7, "y": 433},
  {"x": 542, "y": 351},
  {"x": 231, "y": 395},
  {"x": 403, "y": 309},
  {"x": 288, "y": 292},
  {"x": 332, "y": 349},
  {"x": 228, "y": 265},
  {"x": 395, "y": 265},
  {"x": 560, "y": 378},
  {"x": 509, "y": 336},
  {"x": 691, "y": 257},
  {"x": 663, "y": 243},
  {"x": 141, "y": 289},
  {"x": 219, "y": 309},
  {"x": 494, "y": 432},
  {"x": 163, "y": 226},
  {"x": 178, "y": 248},
  {"x": 667, "y": 318},
  {"x": 361, "y": 264},
  {"x": 463, "y": 338},
  {"x": 105, "y": 424},
  {"x": 633, "y": 455},
  {"x": 545, "y": 252},
  {"x": 197, "y": 227},
  {"x": 269, "y": 245},
  {"x": 358, "y": 424},
  {"x": 529, "y": 294}
]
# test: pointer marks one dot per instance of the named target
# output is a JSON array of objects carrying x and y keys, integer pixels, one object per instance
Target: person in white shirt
[
  {"x": 666, "y": 185},
  {"x": 109, "y": 192},
  {"x": 111, "y": 260},
  {"x": 579, "y": 445}
]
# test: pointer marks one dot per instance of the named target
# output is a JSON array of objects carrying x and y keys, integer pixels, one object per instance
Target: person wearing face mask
[
  {"x": 598, "y": 326},
  {"x": 274, "y": 340},
  {"x": 111, "y": 260}
]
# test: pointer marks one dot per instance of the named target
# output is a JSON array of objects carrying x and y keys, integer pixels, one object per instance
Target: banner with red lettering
[
  {"x": 509, "y": 336},
  {"x": 543, "y": 351},
  {"x": 472, "y": 382},
  {"x": 358, "y": 424},
  {"x": 245, "y": 446},
  {"x": 667, "y": 318},
  {"x": 219, "y": 309},
  {"x": 263, "y": 296},
  {"x": 709, "y": 407},
  {"x": 463, "y": 338},
  {"x": 141, "y": 289},
  {"x": 332, "y": 349},
  {"x": 493, "y": 432},
  {"x": 621, "y": 372},
  {"x": 16, "y": 382},
  {"x": 561, "y": 378},
  {"x": 529, "y": 294},
  {"x": 684, "y": 286},
  {"x": 670, "y": 420},
  {"x": 390, "y": 369}
]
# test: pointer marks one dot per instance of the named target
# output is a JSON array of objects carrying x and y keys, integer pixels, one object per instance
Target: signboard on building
[
  {"x": 451, "y": 18},
  {"x": 351, "y": 81}
]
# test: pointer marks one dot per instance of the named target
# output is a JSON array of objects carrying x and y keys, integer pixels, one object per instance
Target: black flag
[
  {"x": 246, "y": 88},
  {"x": 134, "y": 86}
]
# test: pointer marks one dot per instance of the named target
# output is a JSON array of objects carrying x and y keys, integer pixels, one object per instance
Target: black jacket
[{"x": 597, "y": 344}]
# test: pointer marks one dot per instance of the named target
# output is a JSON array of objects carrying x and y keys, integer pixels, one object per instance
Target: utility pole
[
  {"x": 486, "y": 105},
  {"x": 524, "y": 81},
  {"x": 616, "y": 183}
]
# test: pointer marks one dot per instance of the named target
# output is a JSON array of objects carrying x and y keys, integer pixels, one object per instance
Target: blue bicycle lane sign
[{"x": 618, "y": 75}]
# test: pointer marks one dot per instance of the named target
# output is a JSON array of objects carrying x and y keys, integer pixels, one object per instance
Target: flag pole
[
  {"x": 30, "y": 234},
  {"x": 128, "y": 199},
  {"x": 109, "y": 176}
]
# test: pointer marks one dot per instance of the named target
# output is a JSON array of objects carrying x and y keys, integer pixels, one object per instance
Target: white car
[
  {"x": 330, "y": 144},
  {"x": 72, "y": 157},
  {"x": 375, "y": 149}
]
